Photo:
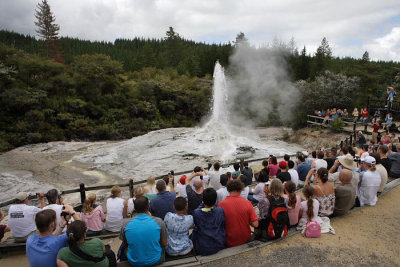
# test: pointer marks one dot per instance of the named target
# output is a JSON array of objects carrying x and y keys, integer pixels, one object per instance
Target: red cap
[
  {"x": 183, "y": 179},
  {"x": 283, "y": 164}
]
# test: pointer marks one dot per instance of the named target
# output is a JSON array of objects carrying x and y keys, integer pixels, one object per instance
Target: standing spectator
[
  {"x": 302, "y": 168},
  {"x": 3, "y": 228},
  {"x": 283, "y": 175},
  {"x": 294, "y": 203},
  {"x": 345, "y": 193},
  {"x": 92, "y": 215},
  {"x": 115, "y": 210},
  {"x": 42, "y": 249},
  {"x": 22, "y": 217},
  {"x": 387, "y": 163},
  {"x": 178, "y": 225},
  {"x": 215, "y": 175},
  {"x": 391, "y": 94},
  {"x": 375, "y": 131},
  {"x": 364, "y": 116},
  {"x": 181, "y": 187},
  {"x": 370, "y": 181},
  {"x": 248, "y": 172},
  {"x": 222, "y": 193},
  {"x": 294, "y": 175},
  {"x": 236, "y": 173},
  {"x": 209, "y": 232},
  {"x": 195, "y": 197},
  {"x": 388, "y": 122},
  {"x": 145, "y": 235},
  {"x": 273, "y": 166},
  {"x": 239, "y": 215},
  {"x": 68, "y": 256},
  {"x": 163, "y": 202},
  {"x": 202, "y": 174}
]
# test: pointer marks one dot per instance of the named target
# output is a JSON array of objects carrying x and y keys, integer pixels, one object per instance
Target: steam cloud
[{"x": 258, "y": 84}]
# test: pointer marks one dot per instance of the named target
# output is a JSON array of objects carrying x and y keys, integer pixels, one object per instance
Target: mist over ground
[{"x": 258, "y": 83}]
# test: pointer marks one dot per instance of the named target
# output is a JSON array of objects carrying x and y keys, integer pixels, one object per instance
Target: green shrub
[{"x": 337, "y": 125}]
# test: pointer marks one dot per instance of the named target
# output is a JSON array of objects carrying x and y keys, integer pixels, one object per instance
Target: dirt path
[{"x": 366, "y": 237}]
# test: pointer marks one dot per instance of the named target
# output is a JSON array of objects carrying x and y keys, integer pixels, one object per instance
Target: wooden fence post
[
  {"x": 355, "y": 132},
  {"x": 241, "y": 164},
  {"x": 131, "y": 187},
  {"x": 341, "y": 144},
  {"x": 82, "y": 191},
  {"x": 351, "y": 140}
]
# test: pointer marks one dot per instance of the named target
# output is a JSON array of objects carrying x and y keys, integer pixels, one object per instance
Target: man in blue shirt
[
  {"x": 164, "y": 201},
  {"x": 391, "y": 94},
  {"x": 145, "y": 236},
  {"x": 302, "y": 168},
  {"x": 42, "y": 249}
]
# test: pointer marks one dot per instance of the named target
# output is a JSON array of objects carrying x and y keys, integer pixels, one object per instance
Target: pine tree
[
  {"x": 241, "y": 40},
  {"x": 323, "y": 56},
  {"x": 48, "y": 31},
  {"x": 365, "y": 56}
]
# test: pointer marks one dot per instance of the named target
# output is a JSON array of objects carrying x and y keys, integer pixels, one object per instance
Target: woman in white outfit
[{"x": 115, "y": 210}]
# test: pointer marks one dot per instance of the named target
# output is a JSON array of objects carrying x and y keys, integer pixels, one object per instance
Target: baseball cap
[
  {"x": 369, "y": 160},
  {"x": 21, "y": 196},
  {"x": 282, "y": 164}
]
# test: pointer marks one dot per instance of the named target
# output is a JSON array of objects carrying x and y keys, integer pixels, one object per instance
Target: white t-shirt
[
  {"x": 181, "y": 189},
  {"x": 22, "y": 219},
  {"x": 222, "y": 193},
  {"x": 320, "y": 163},
  {"x": 294, "y": 176},
  {"x": 57, "y": 208},
  {"x": 384, "y": 176},
  {"x": 215, "y": 179},
  {"x": 368, "y": 188},
  {"x": 258, "y": 191},
  {"x": 115, "y": 209},
  {"x": 304, "y": 209},
  {"x": 131, "y": 205},
  {"x": 245, "y": 192}
]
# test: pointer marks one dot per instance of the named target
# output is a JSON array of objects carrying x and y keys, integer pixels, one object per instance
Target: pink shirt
[
  {"x": 94, "y": 220},
  {"x": 273, "y": 169},
  {"x": 294, "y": 212}
]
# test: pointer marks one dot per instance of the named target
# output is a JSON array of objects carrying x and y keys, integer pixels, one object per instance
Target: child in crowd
[
  {"x": 139, "y": 191},
  {"x": 309, "y": 208},
  {"x": 273, "y": 167},
  {"x": 92, "y": 215},
  {"x": 181, "y": 187},
  {"x": 294, "y": 203},
  {"x": 178, "y": 225},
  {"x": 236, "y": 173},
  {"x": 115, "y": 210},
  {"x": 246, "y": 189}
]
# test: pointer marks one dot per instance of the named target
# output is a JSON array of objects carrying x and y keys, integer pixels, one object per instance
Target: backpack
[
  {"x": 277, "y": 218},
  {"x": 313, "y": 229}
]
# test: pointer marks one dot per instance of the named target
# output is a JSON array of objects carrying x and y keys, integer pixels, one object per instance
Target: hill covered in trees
[{"x": 104, "y": 90}]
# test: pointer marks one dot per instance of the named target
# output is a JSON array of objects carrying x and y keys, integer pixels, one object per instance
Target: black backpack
[{"x": 277, "y": 219}]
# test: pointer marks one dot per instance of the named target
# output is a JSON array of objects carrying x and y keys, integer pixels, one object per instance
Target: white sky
[{"x": 351, "y": 26}]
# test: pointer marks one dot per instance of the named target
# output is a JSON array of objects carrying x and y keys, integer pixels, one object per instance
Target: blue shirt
[
  {"x": 143, "y": 234},
  {"x": 43, "y": 251},
  {"x": 178, "y": 227},
  {"x": 209, "y": 233},
  {"x": 162, "y": 203},
  {"x": 303, "y": 170}
]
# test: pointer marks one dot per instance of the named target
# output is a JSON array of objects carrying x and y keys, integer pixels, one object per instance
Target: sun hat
[
  {"x": 21, "y": 196},
  {"x": 348, "y": 162}
]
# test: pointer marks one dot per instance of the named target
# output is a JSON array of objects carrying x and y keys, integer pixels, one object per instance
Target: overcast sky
[{"x": 351, "y": 26}]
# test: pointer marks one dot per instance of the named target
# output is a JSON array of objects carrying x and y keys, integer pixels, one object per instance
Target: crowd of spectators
[{"x": 205, "y": 211}]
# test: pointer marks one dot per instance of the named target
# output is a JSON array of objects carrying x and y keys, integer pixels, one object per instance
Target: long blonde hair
[
  {"x": 151, "y": 180},
  {"x": 139, "y": 191},
  {"x": 88, "y": 203},
  {"x": 275, "y": 188}
]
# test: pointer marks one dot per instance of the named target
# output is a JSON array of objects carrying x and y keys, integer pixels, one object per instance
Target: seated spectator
[
  {"x": 248, "y": 172},
  {"x": 294, "y": 175},
  {"x": 286, "y": 158},
  {"x": 150, "y": 188},
  {"x": 383, "y": 153},
  {"x": 273, "y": 166},
  {"x": 42, "y": 249},
  {"x": 79, "y": 250},
  {"x": 345, "y": 113},
  {"x": 209, "y": 231},
  {"x": 115, "y": 210},
  {"x": 163, "y": 202},
  {"x": 263, "y": 172},
  {"x": 345, "y": 193},
  {"x": 355, "y": 115},
  {"x": 145, "y": 235},
  {"x": 332, "y": 157},
  {"x": 178, "y": 225},
  {"x": 215, "y": 176},
  {"x": 93, "y": 215},
  {"x": 130, "y": 206},
  {"x": 319, "y": 162},
  {"x": 246, "y": 188},
  {"x": 181, "y": 187},
  {"x": 309, "y": 208},
  {"x": 324, "y": 191},
  {"x": 294, "y": 202},
  {"x": 302, "y": 168},
  {"x": 229, "y": 174},
  {"x": 273, "y": 192},
  {"x": 55, "y": 203},
  {"x": 222, "y": 193},
  {"x": 382, "y": 171},
  {"x": 370, "y": 181},
  {"x": 388, "y": 123},
  {"x": 348, "y": 163},
  {"x": 3, "y": 228},
  {"x": 395, "y": 165},
  {"x": 364, "y": 116},
  {"x": 313, "y": 157},
  {"x": 236, "y": 167},
  {"x": 385, "y": 139},
  {"x": 21, "y": 217},
  {"x": 195, "y": 197},
  {"x": 284, "y": 175},
  {"x": 257, "y": 193},
  {"x": 239, "y": 215}
]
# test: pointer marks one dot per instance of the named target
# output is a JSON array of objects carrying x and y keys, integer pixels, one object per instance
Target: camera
[
  {"x": 64, "y": 213},
  {"x": 171, "y": 173}
]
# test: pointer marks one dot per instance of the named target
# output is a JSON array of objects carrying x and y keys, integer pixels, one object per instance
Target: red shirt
[
  {"x": 239, "y": 213},
  {"x": 273, "y": 169},
  {"x": 364, "y": 114},
  {"x": 376, "y": 128}
]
